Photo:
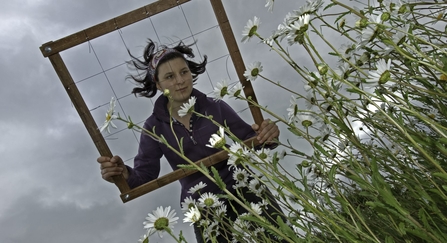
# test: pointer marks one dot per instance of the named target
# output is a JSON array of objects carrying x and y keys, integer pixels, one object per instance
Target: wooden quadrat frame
[{"x": 52, "y": 50}]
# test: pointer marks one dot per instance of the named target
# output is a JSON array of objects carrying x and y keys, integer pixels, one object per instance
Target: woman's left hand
[{"x": 267, "y": 132}]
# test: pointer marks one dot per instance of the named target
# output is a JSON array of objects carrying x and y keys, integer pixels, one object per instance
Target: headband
[{"x": 156, "y": 59}]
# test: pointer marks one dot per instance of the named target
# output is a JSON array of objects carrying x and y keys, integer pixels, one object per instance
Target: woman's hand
[
  {"x": 112, "y": 167},
  {"x": 267, "y": 132}
]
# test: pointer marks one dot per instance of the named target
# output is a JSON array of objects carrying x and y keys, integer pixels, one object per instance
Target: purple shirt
[{"x": 147, "y": 161}]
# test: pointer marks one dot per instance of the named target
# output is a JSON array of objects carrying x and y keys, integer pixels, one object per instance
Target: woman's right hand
[{"x": 112, "y": 167}]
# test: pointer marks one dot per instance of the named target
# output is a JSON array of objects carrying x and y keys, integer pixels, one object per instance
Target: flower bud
[
  {"x": 166, "y": 92},
  {"x": 385, "y": 16},
  {"x": 322, "y": 68}
]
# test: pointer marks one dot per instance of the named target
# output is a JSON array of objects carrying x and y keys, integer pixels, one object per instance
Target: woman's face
[{"x": 175, "y": 76}]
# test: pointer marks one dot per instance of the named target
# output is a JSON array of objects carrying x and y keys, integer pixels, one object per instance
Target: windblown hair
[{"x": 146, "y": 82}]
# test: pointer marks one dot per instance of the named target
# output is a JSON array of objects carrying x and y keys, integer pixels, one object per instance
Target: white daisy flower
[
  {"x": 217, "y": 140},
  {"x": 269, "y": 40},
  {"x": 256, "y": 187},
  {"x": 310, "y": 7},
  {"x": 325, "y": 132},
  {"x": 220, "y": 90},
  {"x": 187, "y": 107},
  {"x": 382, "y": 73},
  {"x": 369, "y": 33},
  {"x": 310, "y": 101},
  {"x": 189, "y": 202},
  {"x": 253, "y": 70},
  {"x": 209, "y": 200},
  {"x": 236, "y": 90},
  {"x": 281, "y": 154},
  {"x": 293, "y": 109},
  {"x": 236, "y": 155},
  {"x": 398, "y": 39},
  {"x": 307, "y": 87},
  {"x": 193, "y": 215},
  {"x": 256, "y": 208},
  {"x": 269, "y": 5},
  {"x": 240, "y": 175},
  {"x": 211, "y": 231},
  {"x": 306, "y": 119},
  {"x": 110, "y": 115},
  {"x": 347, "y": 50},
  {"x": 240, "y": 225},
  {"x": 221, "y": 212},
  {"x": 143, "y": 238},
  {"x": 250, "y": 29},
  {"x": 301, "y": 24},
  {"x": 197, "y": 188},
  {"x": 264, "y": 155},
  {"x": 159, "y": 220},
  {"x": 342, "y": 144}
]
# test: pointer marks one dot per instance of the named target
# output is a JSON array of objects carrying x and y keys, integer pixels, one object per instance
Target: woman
[{"x": 171, "y": 72}]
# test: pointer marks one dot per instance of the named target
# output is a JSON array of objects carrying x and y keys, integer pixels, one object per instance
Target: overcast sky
[{"x": 51, "y": 186}]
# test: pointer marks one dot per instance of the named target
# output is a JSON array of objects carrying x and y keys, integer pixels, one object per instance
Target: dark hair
[{"x": 147, "y": 82}]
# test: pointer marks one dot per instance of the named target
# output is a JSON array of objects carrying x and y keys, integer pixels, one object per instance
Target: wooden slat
[
  {"x": 84, "y": 113},
  {"x": 179, "y": 174},
  {"x": 236, "y": 57},
  {"x": 108, "y": 26}
]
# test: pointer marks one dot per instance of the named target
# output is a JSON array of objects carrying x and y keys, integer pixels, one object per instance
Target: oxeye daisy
[
  {"x": 398, "y": 39},
  {"x": 370, "y": 32},
  {"x": 110, "y": 115},
  {"x": 310, "y": 7},
  {"x": 217, "y": 140},
  {"x": 236, "y": 155},
  {"x": 256, "y": 208},
  {"x": 293, "y": 109},
  {"x": 301, "y": 24},
  {"x": 211, "y": 231},
  {"x": 193, "y": 215},
  {"x": 310, "y": 101},
  {"x": 382, "y": 73},
  {"x": 188, "y": 203},
  {"x": 325, "y": 132},
  {"x": 306, "y": 119},
  {"x": 250, "y": 29},
  {"x": 269, "y": 5},
  {"x": 256, "y": 187},
  {"x": 197, "y": 188},
  {"x": 187, "y": 107},
  {"x": 240, "y": 175},
  {"x": 220, "y": 90},
  {"x": 209, "y": 200},
  {"x": 221, "y": 212},
  {"x": 160, "y": 220},
  {"x": 143, "y": 239},
  {"x": 253, "y": 70},
  {"x": 235, "y": 90},
  {"x": 264, "y": 155}
]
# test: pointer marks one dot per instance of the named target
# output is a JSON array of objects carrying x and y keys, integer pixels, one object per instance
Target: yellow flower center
[
  {"x": 306, "y": 123},
  {"x": 240, "y": 177},
  {"x": 384, "y": 77},
  {"x": 208, "y": 202},
  {"x": 161, "y": 223},
  {"x": 254, "y": 72},
  {"x": 252, "y": 31},
  {"x": 223, "y": 91}
]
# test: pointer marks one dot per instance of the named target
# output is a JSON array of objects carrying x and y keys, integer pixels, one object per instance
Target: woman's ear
[{"x": 158, "y": 86}]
